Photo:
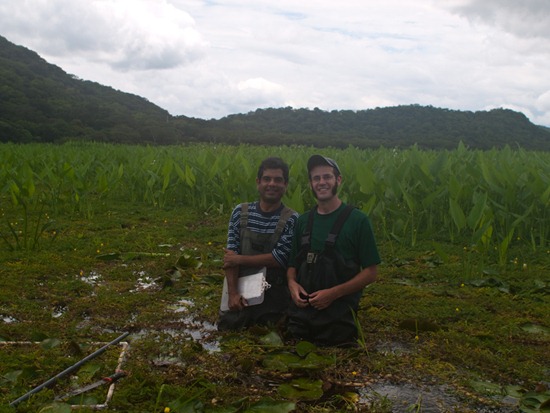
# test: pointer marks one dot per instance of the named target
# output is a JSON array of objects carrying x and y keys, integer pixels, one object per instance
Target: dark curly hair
[{"x": 273, "y": 163}]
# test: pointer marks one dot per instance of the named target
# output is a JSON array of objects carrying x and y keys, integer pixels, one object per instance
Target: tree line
[{"x": 39, "y": 102}]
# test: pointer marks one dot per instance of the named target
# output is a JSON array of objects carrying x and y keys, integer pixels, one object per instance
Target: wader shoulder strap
[
  {"x": 286, "y": 213},
  {"x": 244, "y": 215},
  {"x": 331, "y": 239},
  {"x": 305, "y": 241}
]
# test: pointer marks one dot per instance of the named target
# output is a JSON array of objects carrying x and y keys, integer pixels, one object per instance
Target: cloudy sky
[{"x": 212, "y": 58}]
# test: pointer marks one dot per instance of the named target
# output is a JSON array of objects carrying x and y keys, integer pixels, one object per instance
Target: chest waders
[
  {"x": 277, "y": 297},
  {"x": 255, "y": 243},
  {"x": 322, "y": 270}
]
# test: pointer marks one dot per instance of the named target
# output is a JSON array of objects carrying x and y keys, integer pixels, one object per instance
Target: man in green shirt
[{"x": 333, "y": 258}]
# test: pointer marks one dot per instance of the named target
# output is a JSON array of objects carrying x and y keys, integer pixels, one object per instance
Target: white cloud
[
  {"x": 123, "y": 34},
  {"x": 207, "y": 59},
  {"x": 526, "y": 18}
]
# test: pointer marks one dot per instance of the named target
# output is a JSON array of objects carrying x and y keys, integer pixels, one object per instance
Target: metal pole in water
[{"x": 68, "y": 370}]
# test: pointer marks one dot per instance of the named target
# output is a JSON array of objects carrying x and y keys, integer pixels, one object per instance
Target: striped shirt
[{"x": 264, "y": 223}]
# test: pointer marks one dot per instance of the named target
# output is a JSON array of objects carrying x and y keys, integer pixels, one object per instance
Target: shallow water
[{"x": 407, "y": 398}]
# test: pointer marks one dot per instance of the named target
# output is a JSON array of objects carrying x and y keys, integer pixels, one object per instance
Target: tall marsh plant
[
  {"x": 463, "y": 196},
  {"x": 26, "y": 228}
]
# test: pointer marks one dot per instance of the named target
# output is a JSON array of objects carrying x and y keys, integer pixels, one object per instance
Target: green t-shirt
[{"x": 355, "y": 241}]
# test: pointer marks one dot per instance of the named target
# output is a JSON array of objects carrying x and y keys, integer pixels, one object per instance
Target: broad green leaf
[
  {"x": 280, "y": 361},
  {"x": 457, "y": 214},
  {"x": 187, "y": 261},
  {"x": 271, "y": 406},
  {"x": 50, "y": 343},
  {"x": 487, "y": 388},
  {"x": 302, "y": 389},
  {"x": 186, "y": 406},
  {"x": 56, "y": 408},
  {"x": 108, "y": 257},
  {"x": 535, "y": 329},
  {"x": 476, "y": 213},
  {"x": 87, "y": 372},
  {"x": 303, "y": 348},
  {"x": 272, "y": 339},
  {"x": 12, "y": 376}
]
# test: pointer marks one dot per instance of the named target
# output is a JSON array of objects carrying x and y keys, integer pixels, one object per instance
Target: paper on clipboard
[{"x": 251, "y": 287}]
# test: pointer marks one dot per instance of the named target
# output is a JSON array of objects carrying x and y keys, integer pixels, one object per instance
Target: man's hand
[
  {"x": 298, "y": 294},
  {"x": 230, "y": 259},
  {"x": 236, "y": 302},
  {"x": 322, "y": 299}
]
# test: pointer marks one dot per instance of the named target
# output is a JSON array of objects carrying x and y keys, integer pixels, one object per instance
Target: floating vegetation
[{"x": 458, "y": 320}]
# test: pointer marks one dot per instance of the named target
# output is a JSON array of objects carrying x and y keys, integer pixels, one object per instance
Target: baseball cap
[{"x": 317, "y": 160}]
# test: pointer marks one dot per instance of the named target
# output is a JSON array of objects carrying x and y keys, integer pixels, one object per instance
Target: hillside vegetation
[{"x": 42, "y": 103}]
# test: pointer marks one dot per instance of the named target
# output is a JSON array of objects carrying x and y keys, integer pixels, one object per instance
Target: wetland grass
[{"x": 457, "y": 322}]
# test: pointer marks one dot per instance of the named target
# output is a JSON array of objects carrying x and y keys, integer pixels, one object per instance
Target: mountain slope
[{"x": 39, "y": 102}]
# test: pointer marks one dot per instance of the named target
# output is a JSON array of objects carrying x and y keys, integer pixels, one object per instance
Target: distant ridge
[
  {"x": 400, "y": 126},
  {"x": 39, "y": 102}
]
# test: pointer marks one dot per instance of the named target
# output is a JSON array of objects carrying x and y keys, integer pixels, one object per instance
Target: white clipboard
[{"x": 252, "y": 287}]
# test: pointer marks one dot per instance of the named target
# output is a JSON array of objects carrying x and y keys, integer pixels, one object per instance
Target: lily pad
[
  {"x": 535, "y": 329},
  {"x": 302, "y": 389},
  {"x": 537, "y": 402},
  {"x": 187, "y": 261},
  {"x": 286, "y": 361},
  {"x": 418, "y": 325},
  {"x": 50, "y": 343},
  {"x": 280, "y": 361},
  {"x": 271, "y": 406},
  {"x": 272, "y": 339},
  {"x": 491, "y": 282},
  {"x": 112, "y": 256},
  {"x": 487, "y": 388},
  {"x": 57, "y": 408},
  {"x": 303, "y": 348}
]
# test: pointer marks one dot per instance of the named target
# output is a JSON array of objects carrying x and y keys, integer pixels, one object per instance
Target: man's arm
[
  {"x": 323, "y": 298},
  {"x": 231, "y": 264},
  {"x": 232, "y": 259},
  {"x": 235, "y": 299}
]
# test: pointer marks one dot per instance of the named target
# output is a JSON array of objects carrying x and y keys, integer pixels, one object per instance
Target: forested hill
[
  {"x": 39, "y": 102},
  {"x": 400, "y": 126}
]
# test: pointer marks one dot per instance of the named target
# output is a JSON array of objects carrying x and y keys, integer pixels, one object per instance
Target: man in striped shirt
[{"x": 259, "y": 235}]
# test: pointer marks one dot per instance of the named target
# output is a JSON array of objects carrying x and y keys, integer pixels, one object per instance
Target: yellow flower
[{"x": 166, "y": 410}]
